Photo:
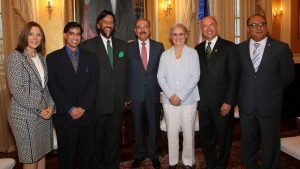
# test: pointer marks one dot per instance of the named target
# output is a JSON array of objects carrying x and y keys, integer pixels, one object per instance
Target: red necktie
[{"x": 144, "y": 55}]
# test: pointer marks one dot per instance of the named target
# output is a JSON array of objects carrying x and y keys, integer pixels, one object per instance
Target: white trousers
[{"x": 181, "y": 118}]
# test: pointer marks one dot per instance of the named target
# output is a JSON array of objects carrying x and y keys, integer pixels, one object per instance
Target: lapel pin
[{"x": 121, "y": 54}]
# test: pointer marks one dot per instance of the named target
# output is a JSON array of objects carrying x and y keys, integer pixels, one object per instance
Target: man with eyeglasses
[
  {"x": 218, "y": 88},
  {"x": 267, "y": 68},
  {"x": 144, "y": 55},
  {"x": 112, "y": 91}
]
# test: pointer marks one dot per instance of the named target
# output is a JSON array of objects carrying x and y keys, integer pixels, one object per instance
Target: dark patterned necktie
[
  {"x": 110, "y": 54},
  {"x": 74, "y": 60},
  {"x": 208, "y": 51}
]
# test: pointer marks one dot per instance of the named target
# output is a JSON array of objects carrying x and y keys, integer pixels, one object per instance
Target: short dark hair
[
  {"x": 23, "y": 38},
  {"x": 71, "y": 25},
  {"x": 102, "y": 15},
  {"x": 142, "y": 19},
  {"x": 257, "y": 14}
]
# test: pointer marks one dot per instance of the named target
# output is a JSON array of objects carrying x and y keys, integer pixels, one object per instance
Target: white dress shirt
[
  {"x": 213, "y": 42},
  {"x": 105, "y": 42},
  {"x": 38, "y": 64},
  {"x": 261, "y": 48}
]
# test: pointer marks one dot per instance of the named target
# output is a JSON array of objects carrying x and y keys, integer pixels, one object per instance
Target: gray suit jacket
[
  {"x": 262, "y": 90},
  {"x": 28, "y": 96}
]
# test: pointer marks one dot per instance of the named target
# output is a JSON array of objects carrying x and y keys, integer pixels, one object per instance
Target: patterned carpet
[{"x": 286, "y": 161}]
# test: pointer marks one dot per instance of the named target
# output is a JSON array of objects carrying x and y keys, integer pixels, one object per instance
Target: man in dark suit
[
  {"x": 73, "y": 77},
  {"x": 112, "y": 93},
  {"x": 218, "y": 90},
  {"x": 124, "y": 14},
  {"x": 266, "y": 68},
  {"x": 144, "y": 55}
]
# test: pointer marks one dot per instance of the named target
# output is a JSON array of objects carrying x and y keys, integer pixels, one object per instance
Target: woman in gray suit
[
  {"x": 178, "y": 75},
  {"x": 31, "y": 106}
]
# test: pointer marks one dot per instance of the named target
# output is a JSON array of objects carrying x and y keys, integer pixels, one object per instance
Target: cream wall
[
  {"x": 53, "y": 27},
  {"x": 164, "y": 23},
  {"x": 183, "y": 11}
]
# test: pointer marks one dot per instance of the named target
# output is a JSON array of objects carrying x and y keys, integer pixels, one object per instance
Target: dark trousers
[
  {"x": 108, "y": 131},
  {"x": 266, "y": 129},
  {"x": 215, "y": 128},
  {"x": 150, "y": 112},
  {"x": 76, "y": 141}
]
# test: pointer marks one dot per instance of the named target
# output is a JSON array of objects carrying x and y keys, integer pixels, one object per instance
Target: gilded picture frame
[{"x": 86, "y": 12}]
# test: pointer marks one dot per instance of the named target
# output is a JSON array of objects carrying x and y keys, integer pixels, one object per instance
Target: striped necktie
[
  {"x": 256, "y": 56},
  {"x": 74, "y": 60},
  {"x": 208, "y": 51}
]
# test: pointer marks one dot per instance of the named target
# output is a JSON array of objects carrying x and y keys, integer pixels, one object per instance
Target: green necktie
[
  {"x": 208, "y": 51},
  {"x": 110, "y": 54}
]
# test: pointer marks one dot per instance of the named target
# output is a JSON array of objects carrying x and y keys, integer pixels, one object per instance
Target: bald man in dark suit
[{"x": 218, "y": 93}]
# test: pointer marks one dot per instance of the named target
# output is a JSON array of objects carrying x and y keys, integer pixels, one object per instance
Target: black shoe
[
  {"x": 137, "y": 162},
  {"x": 187, "y": 167},
  {"x": 172, "y": 166},
  {"x": 155, "y": 163}
]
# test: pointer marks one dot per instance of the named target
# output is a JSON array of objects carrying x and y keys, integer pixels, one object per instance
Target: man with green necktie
[{"x": 112, "y": 93}]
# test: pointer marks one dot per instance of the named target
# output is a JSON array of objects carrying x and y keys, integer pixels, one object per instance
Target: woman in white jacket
[{"x": 178, "y": 75}]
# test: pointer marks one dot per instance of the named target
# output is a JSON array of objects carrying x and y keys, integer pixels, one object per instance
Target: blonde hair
[{"x": 180, "y": 26}]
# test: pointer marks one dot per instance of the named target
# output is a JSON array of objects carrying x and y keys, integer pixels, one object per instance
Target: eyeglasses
[{"x": 256, "y": 25}]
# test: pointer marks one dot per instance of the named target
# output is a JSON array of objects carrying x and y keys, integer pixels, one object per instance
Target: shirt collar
[
  {"x": 263, "y": 41},
  {"x": 140, "y": 42},
  {"x": 104, "y": 39},
  {"x": 213, "y": 41},
  {"x": 69, "y": 52}
]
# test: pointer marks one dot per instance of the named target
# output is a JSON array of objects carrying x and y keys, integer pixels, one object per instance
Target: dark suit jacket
[
  {"x": 144, "y": 83},
  {"x": 125, "y": 17},
  {"x": 69, "y": 89},
  {"x": 219, "y": 75},
  {"x": 113, "y": 83},
  {"x": 262, "y": 90}
]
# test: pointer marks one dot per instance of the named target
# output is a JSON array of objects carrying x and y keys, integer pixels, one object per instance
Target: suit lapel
[
  {"x": 202, "y": 52},
  {"x": 216, "y": 48},
  {"x": 33, "y": 67},
  {"x": 248, "y": 56},
  {"x": 266, "y": 53},
  {"x": 66, "y": 59},
  {"x": 43, "y": 61},
  {"x": 151, "y": 60},
  {"x": 81, "y": 63},
  {"x": 116, "y": 53}
]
